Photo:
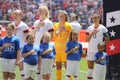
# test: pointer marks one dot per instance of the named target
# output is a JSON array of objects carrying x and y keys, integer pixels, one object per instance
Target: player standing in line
[
  {"x": 31, "y": 55},
  {"x": 96, "y": 33},
  {"x": 48, "y": 54},
  {"x": 61, "y": 34},
  {"x": 21, "y": 30},
  {"x": 10, "y": 49},
  {"x": 41, "y": 26},
  {"x": 101, "y": 60},
  {"x": 74, "y": 23},
  {"x": 74, "y": 53}
]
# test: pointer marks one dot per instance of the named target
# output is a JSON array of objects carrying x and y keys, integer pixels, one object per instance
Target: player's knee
[
  {"x": 58, "y": 65},
  {"x": 5, "y": 76},
  {"x": 12, "y": 75}
]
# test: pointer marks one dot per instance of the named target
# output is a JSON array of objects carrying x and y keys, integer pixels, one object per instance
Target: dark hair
[
  {"x": 46, "y": 33},
  {"x": 73, "y": 31},
  {"x": 101, "y": 44},
  {"x": 29, "y": 35}
]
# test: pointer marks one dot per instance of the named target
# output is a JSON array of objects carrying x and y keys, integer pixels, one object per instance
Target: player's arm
[
  {"x": 47, "y": 51},
  {"x": 39, "y": 63},
  {"x": 89, "y": 35},
  {"x": 4, "y": 46},
  {"x": 72, "y": 50},
  {"x": 28, "y": 53},
  {"x": 100, "y": 59},
  {"x": 18, "y": 57}
]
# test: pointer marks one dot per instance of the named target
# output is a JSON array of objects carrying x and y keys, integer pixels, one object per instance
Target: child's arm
[
  {"x": 47, "y": 51},
  {"x": 73, "y": 50},
  {"x": 18, "y": 57},
  {"x": 28, "y": 53},
  {"x": 100, "y": 59},
  {"x": 4, "y": 46}
]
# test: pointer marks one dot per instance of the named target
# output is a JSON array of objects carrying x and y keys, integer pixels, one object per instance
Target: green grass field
[{"x": 83, "y": 72}]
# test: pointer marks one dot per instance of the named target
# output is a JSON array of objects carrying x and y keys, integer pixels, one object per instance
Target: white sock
[
  {"x": 38, "y": 76},
  {"x": 22, "y": 75},
  {"x": 75, "y": 78},
  {"x": 90, "y": 74},
  {"x": 12, "y": 79},
  {"x": 67, "y": 78}
]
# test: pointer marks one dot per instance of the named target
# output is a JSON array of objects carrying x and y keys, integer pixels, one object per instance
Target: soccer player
[
  {"x": 61, "y": 34},
  {"x": 21, "y": 30},
  {"x": 10, "y": 48},
  {"x": 74, "y": 53},
  {"x": 101, "y": 60},
  {"x": 42, "y": 25},
  {"x": 48, "y": 54},
  {"x": 95, "y": 34},
  {"x": 31, "y": 55}
]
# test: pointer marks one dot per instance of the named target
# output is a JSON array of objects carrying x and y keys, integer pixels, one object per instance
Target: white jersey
[
  {"x": 21, "y": 28},
  {"x": 96, "y": 38},
  {"x": 48, "y": 25},
  {"x": 76, "y": 25}
]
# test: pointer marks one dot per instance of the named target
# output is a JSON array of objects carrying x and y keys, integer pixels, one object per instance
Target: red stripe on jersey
[
  {"x": 51, "y": 30},
  {"x": 25, "y": 31}
]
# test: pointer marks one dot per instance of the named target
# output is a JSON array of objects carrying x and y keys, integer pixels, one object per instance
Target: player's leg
[
  {"x": 68, "y": 69},
  {"x": 12, "y": 76},
  {"x": 5, "y": 69},
  {"x": 76, "y": 69},
  {"x": 12, "y": 68},
  {"x": 75, "y": 77},
  {"x": 90, "y": 70},
  {"x": 99, "y": 72},
  {"x": 58, "y": 66},
  {"x": 90, "y": 62},
  {"x": 21, "y": 66},
  {"x": 38, "y": 72},
  {"x": 59, "y": 70},
  {"x": 5, "y": 75}
]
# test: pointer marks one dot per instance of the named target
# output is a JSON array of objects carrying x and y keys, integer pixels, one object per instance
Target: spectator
[{"x": 75, "y": 24}]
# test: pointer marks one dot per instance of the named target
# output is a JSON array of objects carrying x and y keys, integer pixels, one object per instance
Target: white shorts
[
  {"x": 91, "y": 56},
  {"x": 99, "y": 72},
  {"x": 30, "y": 70},
  {"x": 73, "y": 68},
  {"x": 46, "y": 66},
  {"x": 8, "y": 65}
]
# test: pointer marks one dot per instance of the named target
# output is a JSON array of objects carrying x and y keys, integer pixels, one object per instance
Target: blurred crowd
[{"x": 83, "y": 8}]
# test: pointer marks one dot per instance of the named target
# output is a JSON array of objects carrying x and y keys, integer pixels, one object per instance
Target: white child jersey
[
  {"x": 97, "y": 38},
  {"x": 76, "y": 26},
  {"x": 48, "y": 25},
  {"x": 21, "y": 29}
]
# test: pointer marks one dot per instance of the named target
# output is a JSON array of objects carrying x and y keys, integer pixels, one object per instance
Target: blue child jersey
[
  {"x": 33, "y": 58},
  {"x": 77, "y": 54},
  {"x": 45, "y": 46},
  {"x": 101, "y": 54},
  {"x": 11, "y": 51}
]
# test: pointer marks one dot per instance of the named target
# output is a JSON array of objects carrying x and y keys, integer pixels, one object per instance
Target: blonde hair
[
  {"x": 19, "y": 12},
  {"x": 65, "y": 13},
  {"x": 45, "y": 34},
  {"x": 46, "y": 9}
]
